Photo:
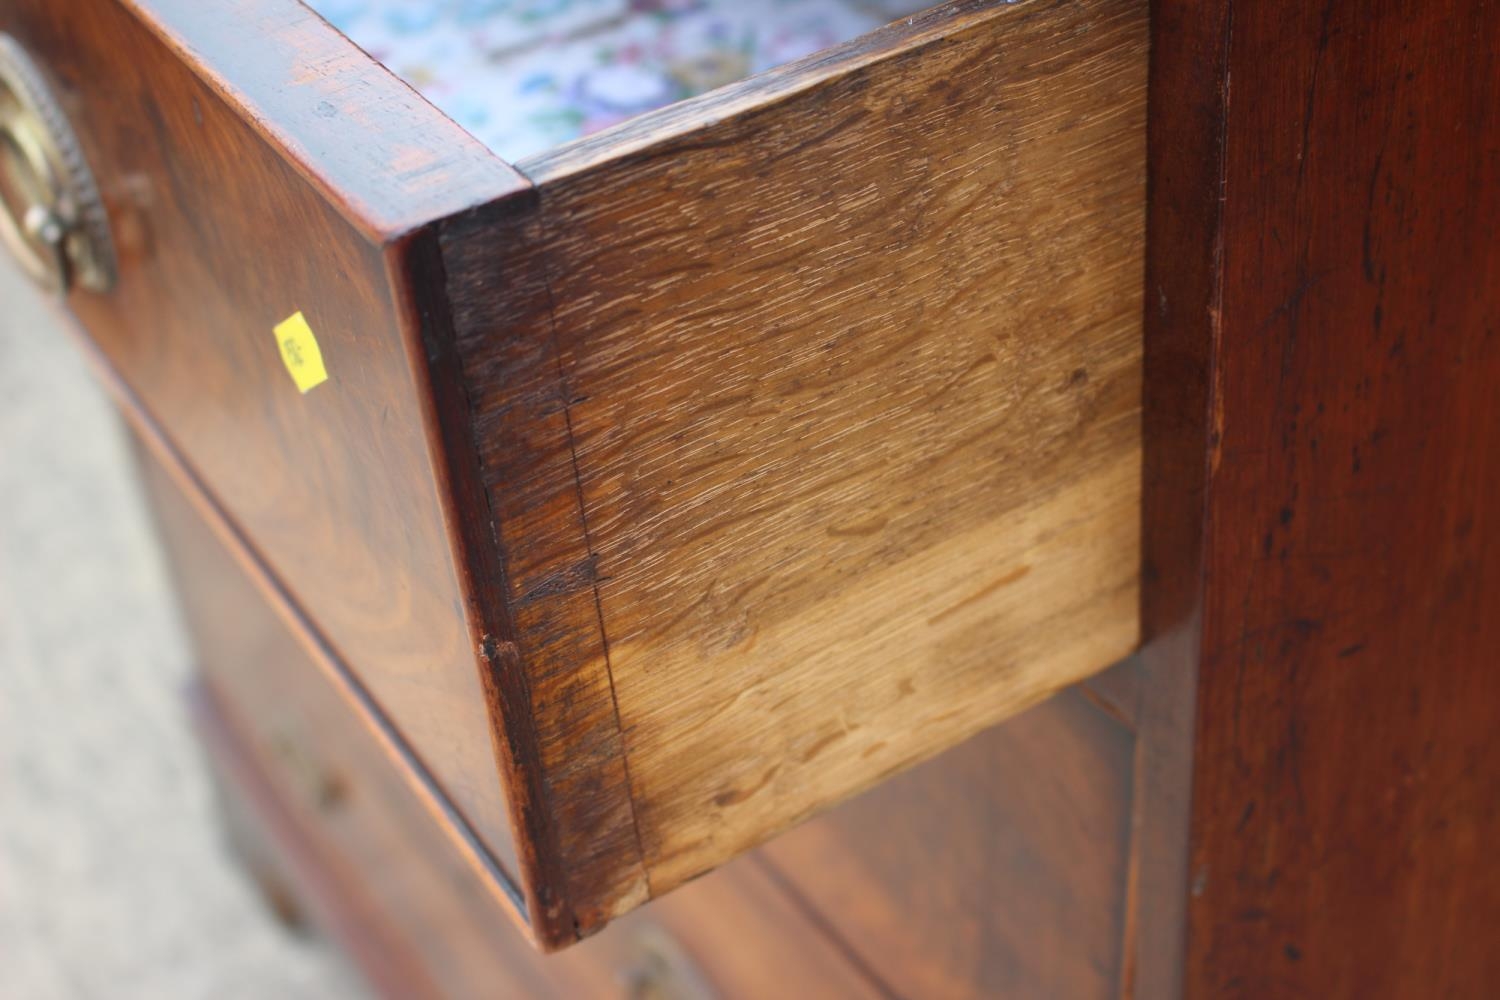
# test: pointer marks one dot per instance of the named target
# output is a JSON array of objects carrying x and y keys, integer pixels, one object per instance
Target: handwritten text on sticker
[{"x": 299, "y": 352}]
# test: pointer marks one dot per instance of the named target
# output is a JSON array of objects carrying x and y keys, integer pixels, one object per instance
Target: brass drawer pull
[{"x": 51, "y": 216}]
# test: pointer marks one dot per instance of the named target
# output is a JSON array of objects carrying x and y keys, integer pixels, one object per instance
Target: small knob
[{"x": 659, "y": 969}]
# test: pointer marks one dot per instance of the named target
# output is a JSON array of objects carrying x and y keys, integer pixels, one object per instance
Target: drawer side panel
[{"x": 835, "y": 389}]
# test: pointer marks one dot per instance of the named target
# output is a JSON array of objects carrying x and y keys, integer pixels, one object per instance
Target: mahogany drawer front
[
  {"x": 374, "y": 866},
  {"x": 221, "y": 233},
  {"x": 676, "y": 484}
]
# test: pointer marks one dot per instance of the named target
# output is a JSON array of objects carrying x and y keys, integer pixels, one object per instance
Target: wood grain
[
  {"x": 382, "y": 878},
  {"x": 808, "y": 413},
  {"x": 736, "y": 459},
  {"x": 1185, "y": 143},
  {"x": 1322, "y": 414},
  {"x": 996, "y": 870},
  {"x": 543, "y": 612},
  {"x": 254, "y": 163},
  {"x": 1347, "y": 785}
]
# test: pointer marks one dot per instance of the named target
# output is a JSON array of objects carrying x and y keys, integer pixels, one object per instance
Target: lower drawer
[
  {"x": 371, "y": 876},
  {"x": 370, "y": 864},
  {"x": 998, "y": 869}
]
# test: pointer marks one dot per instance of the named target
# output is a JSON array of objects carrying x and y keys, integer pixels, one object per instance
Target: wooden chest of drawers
[
  {"x": 697, "y": 478},
  {"x": 699, "y": 494}
]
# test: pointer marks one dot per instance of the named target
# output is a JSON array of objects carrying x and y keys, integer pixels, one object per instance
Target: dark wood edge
[
  {"x": 394, "y": 167},
  {"x": 424, "y": 786},
  {"x": 1116, "y": 691},
  {"x": 556, "y": 883},
  {"x": 1186, "y": 103},
  {"x": 334, "y": 897},
  {"x": 388, "y": 160},
  {"x": 421, "y": 282},
  {"x": 656, "y": 132}
]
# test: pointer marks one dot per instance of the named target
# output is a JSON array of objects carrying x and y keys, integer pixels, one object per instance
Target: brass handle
[{"x": 51, "y": 216}]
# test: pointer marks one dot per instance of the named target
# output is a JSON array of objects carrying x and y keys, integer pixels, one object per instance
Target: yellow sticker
[{"x": 299, "y": 352}]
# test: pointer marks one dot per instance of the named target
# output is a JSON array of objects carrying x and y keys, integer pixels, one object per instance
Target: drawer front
[
  {"x": 376, "y": 869},
  {"x": 254, "y": 165}
]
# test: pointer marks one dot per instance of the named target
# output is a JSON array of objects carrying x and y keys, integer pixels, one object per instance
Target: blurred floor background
[{"x": 114, "y": 879}]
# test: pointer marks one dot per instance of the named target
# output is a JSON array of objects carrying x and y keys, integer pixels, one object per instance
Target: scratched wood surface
[
  {"x": 253, "y": 163},
  {"x": 1323, "y": 609},
  {"x": 808, "y": 414},
  {"x": 1346, "y": 793}
]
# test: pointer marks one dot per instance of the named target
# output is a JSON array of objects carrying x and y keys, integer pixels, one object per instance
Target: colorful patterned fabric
[{"x": 526, "y": 75}]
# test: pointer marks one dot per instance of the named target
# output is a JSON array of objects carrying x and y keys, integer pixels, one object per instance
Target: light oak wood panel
[{"x": 809, "y": 416}]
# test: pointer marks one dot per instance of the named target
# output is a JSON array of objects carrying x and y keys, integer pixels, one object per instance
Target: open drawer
[{"x": 668, "y": 486}]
